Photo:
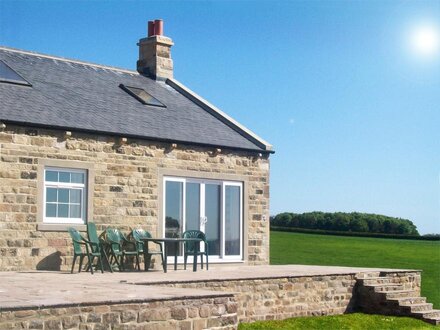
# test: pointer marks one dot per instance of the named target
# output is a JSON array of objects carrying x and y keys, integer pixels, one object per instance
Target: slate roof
[{"x": 81, "y": 96}]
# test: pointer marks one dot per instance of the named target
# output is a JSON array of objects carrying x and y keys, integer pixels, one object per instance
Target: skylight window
[
  {"x": 8, "y": 75},
  {"x": 142, "y": 96}
]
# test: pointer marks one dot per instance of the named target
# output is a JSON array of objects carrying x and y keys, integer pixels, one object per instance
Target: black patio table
[{"x": 175, "y": 242}]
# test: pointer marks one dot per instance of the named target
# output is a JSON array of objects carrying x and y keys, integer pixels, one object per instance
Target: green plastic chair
[
  {"x": 78, "y": 243},
  {"x": 118, "y": 247},
  {"x": 193, "y": 248},
  {"x": 92, "y": 234},
  {"x": 138, "y": 235}
]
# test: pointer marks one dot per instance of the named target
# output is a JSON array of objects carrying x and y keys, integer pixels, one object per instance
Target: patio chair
[
  {"x": 78, "y": 251},
  {"x": 118, "y": 247},
  {"x": 138, "y": 235},
  {"x": 193, "y": 248},
  {"x": 92, "y": 234}
]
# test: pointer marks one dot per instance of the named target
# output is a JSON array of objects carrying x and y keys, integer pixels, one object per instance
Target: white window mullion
[
  {"x": 184, "y": 206},
  {"x": 202, "y": 206},
  {"x": 222, "y": 208},
  {"x": 241, "y": 221}
]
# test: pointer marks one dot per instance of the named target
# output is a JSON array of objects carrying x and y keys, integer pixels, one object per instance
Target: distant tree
[
  {"x": 321, "y": 221},
  {"x": 437, "y": 236},
  {"x": 355, "y": 222},
  {"x": 375, "y": 225},
  {"x": 308, "y": 221},
  {"x": 283, "y": 219},
  {"x": 341, "y": 222},
  {"x": 295, "y": 220},
  {"x": 359, "y": 225}
]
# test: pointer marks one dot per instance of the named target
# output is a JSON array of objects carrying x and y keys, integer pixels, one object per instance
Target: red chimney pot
[
  {"x": 158, "y": 27},
  {"x": 150, "y": 28}
]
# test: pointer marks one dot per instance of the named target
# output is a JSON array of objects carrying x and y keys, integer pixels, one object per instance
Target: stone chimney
[{"x": 155, "y": 53}]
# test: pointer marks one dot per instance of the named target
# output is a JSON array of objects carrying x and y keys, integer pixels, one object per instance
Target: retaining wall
[
  {"x": 189, "y": 314},
  {"x": 238, "y": 300},
  {"x": 281, "y": 298}
]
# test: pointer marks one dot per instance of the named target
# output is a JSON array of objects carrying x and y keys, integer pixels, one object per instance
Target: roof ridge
[{"x": 59, "y": 58}]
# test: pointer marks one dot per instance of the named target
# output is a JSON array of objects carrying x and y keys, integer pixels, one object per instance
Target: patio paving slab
[{"x": 20, "y": 290}]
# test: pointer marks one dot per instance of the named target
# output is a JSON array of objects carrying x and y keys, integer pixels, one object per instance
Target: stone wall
[
  {"x": 244, "y": 300},
  {"x": 286, "y": 297},
  {"x": 281, "y": 298},
  {"x": 125, "y": 191},
  {"x": 188, "y": 314}
]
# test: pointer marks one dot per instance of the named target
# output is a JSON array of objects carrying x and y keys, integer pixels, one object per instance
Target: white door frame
[{"x": 223, "y": 184}]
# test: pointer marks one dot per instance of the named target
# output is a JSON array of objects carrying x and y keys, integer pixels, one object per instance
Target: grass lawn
[
  {"x": 348, "y": 321},
  {"x": 310, "y": 249}
]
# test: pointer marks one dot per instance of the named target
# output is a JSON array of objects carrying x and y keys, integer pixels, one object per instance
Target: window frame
[
  {"x": 240, "y": 186},
  {"x": 20, "y": 81},
  {"x": 66, "y": 185},
  {"x": 222, "y": 183},
  {"x": 130, "y": 91},
  {"x": 41, "y": 191}
]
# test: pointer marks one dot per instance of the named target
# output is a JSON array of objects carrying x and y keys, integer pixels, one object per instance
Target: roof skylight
[
  {"x": 142, "y": 96},
  {"x": 8, "y": 75}
]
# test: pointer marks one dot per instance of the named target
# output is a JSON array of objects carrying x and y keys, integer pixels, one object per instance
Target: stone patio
[
  {"x": 219, "y": 298},
  {"x": 44, "y": 288}
]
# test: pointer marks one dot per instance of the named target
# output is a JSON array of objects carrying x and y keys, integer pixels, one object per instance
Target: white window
[{"x": 65, "y": 195}]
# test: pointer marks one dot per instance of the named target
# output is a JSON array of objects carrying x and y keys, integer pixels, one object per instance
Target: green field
[
  {"x": 309, "y": 249},
  {"x": 349, "y": 321}
]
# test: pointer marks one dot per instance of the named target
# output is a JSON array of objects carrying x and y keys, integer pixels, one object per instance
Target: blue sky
[{"x": 353, "y": 113}]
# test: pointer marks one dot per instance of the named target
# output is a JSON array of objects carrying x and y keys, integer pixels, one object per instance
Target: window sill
[{"x": 60, "y": 226}]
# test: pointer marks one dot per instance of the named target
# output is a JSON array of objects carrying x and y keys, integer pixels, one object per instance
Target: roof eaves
[
  {"x": 128, "y": 135},
  {"x": 185, "y": 91}
]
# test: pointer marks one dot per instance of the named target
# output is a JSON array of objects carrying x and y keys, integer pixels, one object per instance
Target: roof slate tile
[{"x": 88, "y": 98}]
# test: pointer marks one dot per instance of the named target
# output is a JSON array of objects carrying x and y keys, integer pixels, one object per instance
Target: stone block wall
[
  {"x": 244, "y": 300},
  {"x": 125, "y": 191},
  {"x": 287, "y": 297},
  {"x": 187, "y": 314},
  {"x": 281, "y": 298}
]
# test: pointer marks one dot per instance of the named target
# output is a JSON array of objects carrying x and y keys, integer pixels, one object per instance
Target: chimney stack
[{"x": 155, "y": 53}]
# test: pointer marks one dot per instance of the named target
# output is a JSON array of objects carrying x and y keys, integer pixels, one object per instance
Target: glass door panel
[
  {"x": 173, "y": 212},
  {"x": 214, "y": 207},
  {"x": 232, "y": 220},
  {"x": 213, "y": 216},
  {"x": 192, "y": 206}
]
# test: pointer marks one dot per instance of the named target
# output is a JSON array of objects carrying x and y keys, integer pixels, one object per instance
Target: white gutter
[{"x": 219, "y": 114}]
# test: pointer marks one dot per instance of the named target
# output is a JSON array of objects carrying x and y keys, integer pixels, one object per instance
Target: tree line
[{"x": 348, "y": 222}]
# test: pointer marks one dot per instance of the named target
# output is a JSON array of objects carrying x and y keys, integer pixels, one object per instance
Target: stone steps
[
  {"x": 399, "y": 294},
  {"x": 432, "y": 314},
  {"x": 364, "y": 276},
  {"x": 384, "y": 280},
  {"x": 417, "y": 307},
  {"x": 387, "y": 287},
  {"x": 409, "y": 300},
  {"x": 379, "y": 280},
  {"x": 393, "y": 297},
  {"x": 432, "y": 320}
]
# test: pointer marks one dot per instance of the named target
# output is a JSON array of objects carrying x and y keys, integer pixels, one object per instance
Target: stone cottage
[{"x": 83, "y": 142}]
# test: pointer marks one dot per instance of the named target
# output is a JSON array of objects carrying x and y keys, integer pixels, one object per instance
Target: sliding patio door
[{"x": 212, "y": 206}]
